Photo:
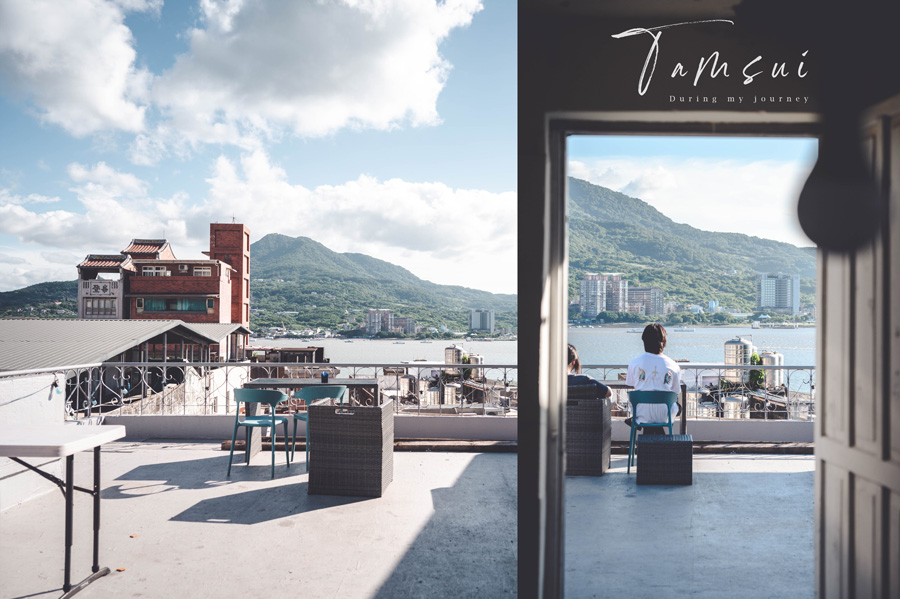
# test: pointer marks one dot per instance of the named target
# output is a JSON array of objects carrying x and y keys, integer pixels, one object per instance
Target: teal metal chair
[
  {"x": 309, "y": 395},
  {"x": 669, "y": 398},
  {"x": 259, "y": 396}
]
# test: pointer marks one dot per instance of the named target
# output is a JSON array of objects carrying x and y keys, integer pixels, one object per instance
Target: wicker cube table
[
  {"x": 665, "y": 460},
  {"x": 351, "y": 450},
  {"x": 588, "y": 432}
]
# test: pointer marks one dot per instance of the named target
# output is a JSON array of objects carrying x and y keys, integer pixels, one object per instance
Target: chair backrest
[
  {"x": 661, "y": 397},
  {"x": 316, "y": 392},
  {"x": 267, "y": 396}
]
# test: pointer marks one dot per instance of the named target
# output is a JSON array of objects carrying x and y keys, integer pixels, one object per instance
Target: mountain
[
  {"x": 302, "y": 275},
  {"x": 317, "y": 287},
  {"x": 612, "y": 232},
  {"x": 55, "y": 299}
]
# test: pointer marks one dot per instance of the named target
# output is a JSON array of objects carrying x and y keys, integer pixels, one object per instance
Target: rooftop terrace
[{"x": 446, "y": 527}]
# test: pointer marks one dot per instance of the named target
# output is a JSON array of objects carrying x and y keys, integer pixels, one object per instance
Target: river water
[{"x": 607, "y": 345}]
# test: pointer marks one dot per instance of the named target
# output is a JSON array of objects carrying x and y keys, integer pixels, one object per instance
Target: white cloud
[
  {"x": 444, "y": 235},
  {"x": 757, "y": 198},
  {"x": 10, "y": 259},
  {"x": 116, "y": 208},
  {"x": 67, "y": 258},
  {"x": 74, "y": 62},
  {"x": 8, "y": 198},
  {"x": 450, "y": 236},
  {"x": 258, "y": 69}
]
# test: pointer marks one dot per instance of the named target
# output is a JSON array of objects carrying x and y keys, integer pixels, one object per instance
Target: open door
[{"x": 858, "y": 421}]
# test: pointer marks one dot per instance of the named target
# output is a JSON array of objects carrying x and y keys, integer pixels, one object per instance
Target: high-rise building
[
  {"x": 616, "y": 293},
  {"x": 778, "y": 293},
  {"x": 404, "y": 325},
  {"x": 646, "y": 300},
  {"x": 378, "y": 321},
  {"x": 481, "y": 320},
  {"x": 593, "y": 295}
]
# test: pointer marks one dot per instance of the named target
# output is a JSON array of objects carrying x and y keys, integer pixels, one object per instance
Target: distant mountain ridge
[
  {"x": 609, "y": 232},
  {"x": 298, "y": 281},
  {"x": 612, "y": 232}
]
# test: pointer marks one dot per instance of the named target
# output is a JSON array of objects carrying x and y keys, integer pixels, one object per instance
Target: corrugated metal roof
[
  {"x": 218, "y": 331},
  {"x": 27, "y": 344}
]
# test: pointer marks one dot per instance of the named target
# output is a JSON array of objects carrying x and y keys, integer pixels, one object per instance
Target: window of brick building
[{"x": 155, "y": 271}]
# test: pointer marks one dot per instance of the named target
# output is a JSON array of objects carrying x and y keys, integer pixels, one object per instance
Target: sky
[
  {"x": 385, "y": 127},
  {"x": 744, "y": 185}
]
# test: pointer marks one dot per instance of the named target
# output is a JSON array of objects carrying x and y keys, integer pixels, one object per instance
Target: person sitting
[
  {"x": 576, "y": 378},
  {"x": 653, "y": 371}
]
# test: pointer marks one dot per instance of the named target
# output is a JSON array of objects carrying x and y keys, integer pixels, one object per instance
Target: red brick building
[{"x": 153, "y": 284}]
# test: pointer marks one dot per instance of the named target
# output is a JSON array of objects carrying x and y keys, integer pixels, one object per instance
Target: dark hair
[
  {"x": 573, "y": 357},
  {"x": 654, "y": 338}
]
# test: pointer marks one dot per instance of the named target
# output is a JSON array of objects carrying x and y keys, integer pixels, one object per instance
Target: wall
[
  {"x": 482, "y": 428},
  {"x": 29, "y": 401}
]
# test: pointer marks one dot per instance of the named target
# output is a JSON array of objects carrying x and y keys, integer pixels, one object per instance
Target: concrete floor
[
  {"x": 744, "y": 529},
  {"x": 446, "y": 527}
]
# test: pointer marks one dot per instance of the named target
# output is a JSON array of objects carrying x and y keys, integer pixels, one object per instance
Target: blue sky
[
  {"x": 744, "y": 185},
  {"x": 387, "y": 128}
]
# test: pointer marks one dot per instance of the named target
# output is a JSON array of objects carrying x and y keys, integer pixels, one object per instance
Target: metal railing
[
  {"x": 205, "y": 388},
  {"x": 711, "y": 391},
  {"x": 719, "y": 391}
]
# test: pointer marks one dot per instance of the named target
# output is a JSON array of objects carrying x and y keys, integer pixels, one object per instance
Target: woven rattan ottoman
[
  {"x": 665, "y": 460},
  {"x": 588, "y": 432},
  {"x": 351, "y": 450}
]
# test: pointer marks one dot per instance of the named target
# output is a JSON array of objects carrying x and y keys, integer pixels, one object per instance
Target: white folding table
[{"x": 64, "y": 441}]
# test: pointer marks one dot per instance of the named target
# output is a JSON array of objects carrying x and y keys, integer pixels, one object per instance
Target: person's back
[{"x": 653, "y": 371}]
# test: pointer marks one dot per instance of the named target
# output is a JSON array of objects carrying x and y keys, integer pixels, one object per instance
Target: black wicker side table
[
  {"x": 665, "y": 460},
  {"x": 588, "y": 432},
  {"x": 351, "y": 450}
]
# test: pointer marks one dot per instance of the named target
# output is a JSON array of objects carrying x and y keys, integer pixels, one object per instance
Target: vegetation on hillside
[{"x": 612, "y": 232}]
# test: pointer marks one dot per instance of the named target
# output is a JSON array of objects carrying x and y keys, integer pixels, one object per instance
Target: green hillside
[
  {"x": 56, "y": 299},
  {"x": 612, "y": 232},
  {"x": 316, "y": 286},
  {"x": 327, "y": 288},
  {"x": 609, "y": 232}
]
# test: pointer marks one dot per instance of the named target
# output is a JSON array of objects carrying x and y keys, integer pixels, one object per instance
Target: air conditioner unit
[{"x": 183, "y": 267}]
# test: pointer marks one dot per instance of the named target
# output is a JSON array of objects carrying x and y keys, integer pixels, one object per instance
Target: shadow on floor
[
  {"x": 468, "y": 547},
  {"x": 732, "y": 533},
  {"x": 261, "y": 505}
]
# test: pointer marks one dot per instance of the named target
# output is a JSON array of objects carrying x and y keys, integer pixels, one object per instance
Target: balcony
[
  {"x": 446, "y": 527},
  {"x": 447, "y": 524}
]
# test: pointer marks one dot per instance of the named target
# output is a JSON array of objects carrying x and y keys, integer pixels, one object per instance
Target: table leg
[
  {"x": 96, "y": 566},
  {"x": 70, "y": 492}
]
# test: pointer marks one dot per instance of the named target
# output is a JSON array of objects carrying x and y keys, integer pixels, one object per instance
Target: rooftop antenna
[{"x": 233, "y": 221}]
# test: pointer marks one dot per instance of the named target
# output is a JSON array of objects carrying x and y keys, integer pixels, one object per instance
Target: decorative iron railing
[
  {"x": 712, "y": 391},
  {"x": 709, "y": 391}
]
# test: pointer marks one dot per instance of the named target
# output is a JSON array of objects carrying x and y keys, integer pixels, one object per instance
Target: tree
[{"x": 757, "y": 378}]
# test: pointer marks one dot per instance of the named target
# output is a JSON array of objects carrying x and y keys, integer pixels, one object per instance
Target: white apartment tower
[
  {"x": 778, "y": 293},
  {"x": 593, "y": 295},
  {"x": 378, "y": 321},
  {"x": 481, "y": 320},
  {"x": 616, "y": 293}
]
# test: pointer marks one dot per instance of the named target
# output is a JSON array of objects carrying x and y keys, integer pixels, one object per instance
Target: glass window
[
  {"x": 100, "y": 307},
  {"x": 202, "y": 271},
  {"x": 154, "y": 271},
  {"x": 186, "y": 304}
]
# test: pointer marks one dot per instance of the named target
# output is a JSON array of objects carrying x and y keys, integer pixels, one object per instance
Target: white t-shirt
[{"x": 654, "y": 372}]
